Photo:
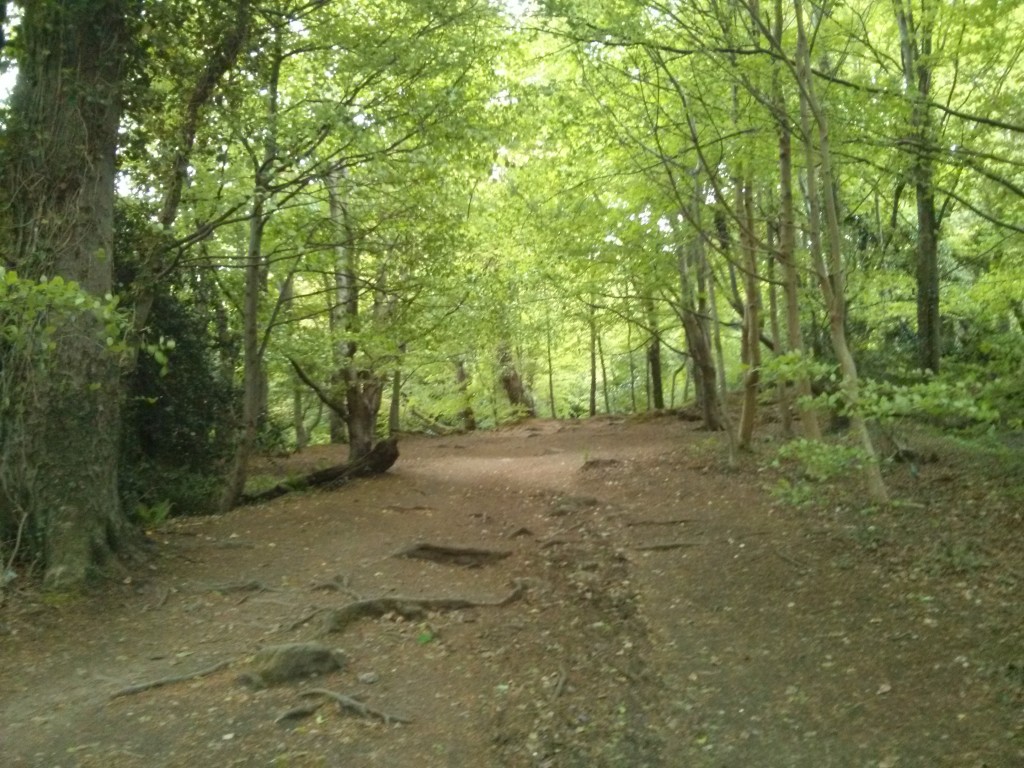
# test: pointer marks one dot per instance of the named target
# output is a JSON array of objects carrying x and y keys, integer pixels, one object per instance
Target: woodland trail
[{"x": 647, "y": 607}]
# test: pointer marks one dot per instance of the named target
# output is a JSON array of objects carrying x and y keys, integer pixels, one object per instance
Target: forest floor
[{"x": 565, "y": 594}]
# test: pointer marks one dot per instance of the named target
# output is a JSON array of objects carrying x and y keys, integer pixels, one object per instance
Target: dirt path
[{"x": 655, "y": 610}]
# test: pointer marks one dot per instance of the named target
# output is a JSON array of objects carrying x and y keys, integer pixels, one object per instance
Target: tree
[{"x": 61, "y": 395}]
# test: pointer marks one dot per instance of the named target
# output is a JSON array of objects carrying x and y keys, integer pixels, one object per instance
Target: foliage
[
  {"x": 33, "y": 311},
  {"x": 818, "y": 461},
  {"x": 178, "y": 418}
]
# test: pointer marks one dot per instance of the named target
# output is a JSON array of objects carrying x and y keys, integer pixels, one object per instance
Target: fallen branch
[
  {"x": 354, "y": 705},
  {"x": 140, "y": 687},
  {"x": 378, "y": 461}
]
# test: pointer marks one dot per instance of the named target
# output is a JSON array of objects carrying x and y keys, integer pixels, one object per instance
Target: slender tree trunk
[
  {"x": 830, "y": 274},
  {"x": 551, "y": 369},
  {"x": 462, "y": 381},
  {"x": 916, "y": 49},
  {"x": 395, "y": 409},
  {"x": 604, "y": 375},
  {"x": 253, "y": 387},
  {"x": 694, "y": 308},
  {"x": 657, "y": 389},
  {"x": 809, "y": 424},
  {"x": 363, "y": 388},
  {"x": 254, "y": 383},
  {"x": 61, "y": 410},
  {"x": 751, "y": 319},
  {"x": 593, "y": 360},
  {"x": 299, "y": 416}
]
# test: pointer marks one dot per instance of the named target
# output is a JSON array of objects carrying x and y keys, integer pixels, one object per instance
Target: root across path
[{"x": 589, "y": 593}]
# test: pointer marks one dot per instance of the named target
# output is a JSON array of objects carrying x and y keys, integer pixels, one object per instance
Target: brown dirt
[{"x": 672, "y": 612}]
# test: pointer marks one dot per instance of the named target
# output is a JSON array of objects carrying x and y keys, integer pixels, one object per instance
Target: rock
[{"x": 286, "y": 663}]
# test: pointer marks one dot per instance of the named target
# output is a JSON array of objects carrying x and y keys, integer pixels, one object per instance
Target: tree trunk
[
  {"x": 254, "y": 383},
  {"x": 830, "y": 275},
  {"x": 462, "y": 380},
  {"x": 916, "y": 49},
  {"x": 751, "y": 319},
  {"x": 809, "y": 424},
  {"x": 592, "y": 324},
  {"x": 604, "y": 375},
  {"x": 551, "y": 367},
  {"x": 62, "y": 409},
  {"x": 657, "y": 389},
  {"x": 252, "y": 364},
  {"x": 515, "y": 390},
  {"x": 694, "y": 310},
  {"x": 363, "y": 388}
]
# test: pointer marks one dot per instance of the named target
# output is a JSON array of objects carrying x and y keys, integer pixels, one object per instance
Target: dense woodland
[{"x": 229, "y": 227}]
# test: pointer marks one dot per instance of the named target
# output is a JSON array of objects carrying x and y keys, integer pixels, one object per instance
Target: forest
[{"x": 233, "y": 228}]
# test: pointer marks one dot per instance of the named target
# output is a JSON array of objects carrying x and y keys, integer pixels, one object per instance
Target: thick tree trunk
[
  {"x": 515, "y": 390},
  {"x": 363, "y": 397},
  {"x": 62, "y": 411}
]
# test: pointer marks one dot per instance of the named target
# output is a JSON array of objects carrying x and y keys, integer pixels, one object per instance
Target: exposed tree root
[
  {"x": 239, "y": 586},
  {"x": 338, "y": 619},
  {"x": 465, "y": 556},
  {"x": 379, "y": 460},
  {"x": 140, "y": 687},
  {"x": 674, "y": 521},
  {"x": 298, "y": 713},
  {"x": 664, "y": 546},
  {"x": 356, "y": 706}
]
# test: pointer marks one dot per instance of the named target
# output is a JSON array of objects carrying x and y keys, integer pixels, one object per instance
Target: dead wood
[
  {"x": 469, "y": 557},
  {"x": 140, "y": 687},
  {"x": 339, "y": 619},
  {"x": 354, "y": 705},
  {"x": 379, "y": 460}
]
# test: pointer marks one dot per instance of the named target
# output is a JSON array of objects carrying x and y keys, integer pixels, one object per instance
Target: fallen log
[{"x": 378, "y": 461}]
